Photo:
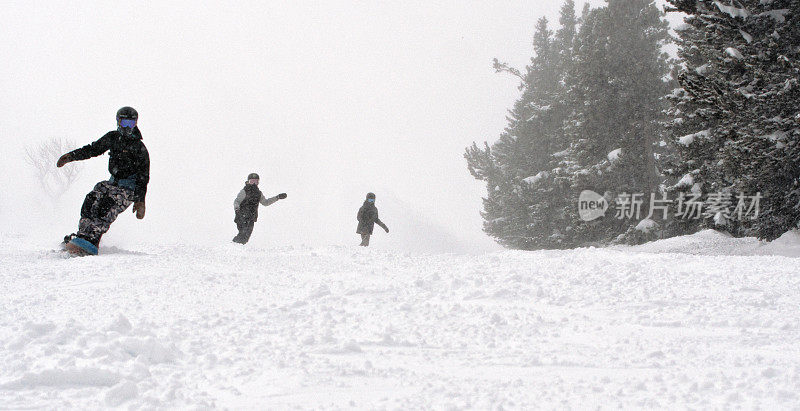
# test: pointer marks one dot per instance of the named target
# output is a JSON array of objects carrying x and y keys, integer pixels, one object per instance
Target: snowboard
[{"x": 78, "y": 247}]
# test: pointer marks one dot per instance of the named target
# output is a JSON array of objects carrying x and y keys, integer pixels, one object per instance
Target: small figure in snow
[
  {"x": 246, "y": 207},
  {"x": 367, "y": 218},
  {"x": 129, "y": 165}
]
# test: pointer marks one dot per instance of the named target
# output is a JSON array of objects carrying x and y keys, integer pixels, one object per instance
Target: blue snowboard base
[{"x": 80, "y": 247}]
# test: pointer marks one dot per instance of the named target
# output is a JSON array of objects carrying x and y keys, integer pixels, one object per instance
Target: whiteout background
[{"x": 326, "y": 100}]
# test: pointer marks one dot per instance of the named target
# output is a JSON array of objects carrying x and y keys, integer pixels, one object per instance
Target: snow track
[{"x": 340, "y": 327}]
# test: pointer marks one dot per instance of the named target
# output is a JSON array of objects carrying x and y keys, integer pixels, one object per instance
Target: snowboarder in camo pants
[
  {"x": 367, "y": 218},
  {"x": 246, "y": 207},
  {"x": 129, "y": 165}
]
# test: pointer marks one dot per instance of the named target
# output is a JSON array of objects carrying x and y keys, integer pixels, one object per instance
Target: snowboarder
[
  {"x": 246, "y": 207},
  {"x": 367, "y": 218},
  {"x": 129, "y": 165}
]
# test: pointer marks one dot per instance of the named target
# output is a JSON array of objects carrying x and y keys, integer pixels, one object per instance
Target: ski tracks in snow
[{"x": 339, "y": 327}]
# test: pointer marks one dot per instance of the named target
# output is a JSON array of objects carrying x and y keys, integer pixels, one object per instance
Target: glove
[
  {"x": 138, "y": 208},
  {"x": 281, "y": 196},
  {"x": 66, "y": 158},
  {"x": 387, "y": 229}
]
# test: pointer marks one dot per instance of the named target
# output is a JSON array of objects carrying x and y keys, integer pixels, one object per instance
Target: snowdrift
[
  {"x": 710, "y": 242},
  {"x": 703, "y": 321}
]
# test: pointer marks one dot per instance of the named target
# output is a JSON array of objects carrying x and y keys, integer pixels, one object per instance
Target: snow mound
[{"x": 714, "y": 243}]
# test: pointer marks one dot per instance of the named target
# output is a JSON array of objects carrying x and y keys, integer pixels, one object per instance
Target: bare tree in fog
[{"x": 42, "y": 157}]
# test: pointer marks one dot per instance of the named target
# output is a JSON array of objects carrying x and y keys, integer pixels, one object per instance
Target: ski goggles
[
  {"x": 371, "y": 200},
  {"x": 252, "y": 181},
  {"x": 127, "y": 123}
]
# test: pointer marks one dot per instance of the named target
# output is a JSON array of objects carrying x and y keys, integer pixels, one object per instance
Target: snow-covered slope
[
  {"x": 702, "y": 321},
  {"x": 710, "y": 242}
]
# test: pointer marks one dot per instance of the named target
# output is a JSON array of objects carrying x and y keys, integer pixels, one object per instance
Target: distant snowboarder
[
  {"x": 129, "y": 165},
  {"x": 367, "y": 218},
  {"x": 246, "y": 207}
]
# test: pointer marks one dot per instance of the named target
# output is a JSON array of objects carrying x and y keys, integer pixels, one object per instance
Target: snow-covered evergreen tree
[
  {"x": 616, "y": 87},
  {"x": 588, "y": 117},
  {"x": 514, "y": 210},
  {"x": 550, "y": 194},
  {"x": 736, "y": 116}
]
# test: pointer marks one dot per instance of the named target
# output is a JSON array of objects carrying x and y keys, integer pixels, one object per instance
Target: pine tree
[
  {"x": 595, "y": 88},
  {"x": 551, "y": 199},
  {"x": 735, "y": 118},
  {"x": 523, "y": 149},
  {"x": 616, "y": 87}
]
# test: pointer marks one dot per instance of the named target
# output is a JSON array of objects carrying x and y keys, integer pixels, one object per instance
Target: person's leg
[
  {"x": 100, "y": 208},
  {"x": 247, "y": 231},
  {"x": 88, "y": 209},
  {"x": 365, "y": 240},
  {"x": 240, "y": 227}
]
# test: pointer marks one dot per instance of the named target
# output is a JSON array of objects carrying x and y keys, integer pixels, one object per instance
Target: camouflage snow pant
[{"x": 100, "y": 208}]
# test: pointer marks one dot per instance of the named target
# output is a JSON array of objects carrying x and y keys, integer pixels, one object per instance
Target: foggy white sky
[{"x": 326, "y": 100}]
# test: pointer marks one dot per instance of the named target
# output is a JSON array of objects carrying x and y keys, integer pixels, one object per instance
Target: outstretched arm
[
  {"x": 88, "y": 151},
  {"x": 272, "y": 200}
]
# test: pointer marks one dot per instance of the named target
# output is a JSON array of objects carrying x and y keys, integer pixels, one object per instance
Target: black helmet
[
  {"x": 127, "y": 115},
  {"x": 252, "y": 176},
  {"x": 370, "y": 195}
]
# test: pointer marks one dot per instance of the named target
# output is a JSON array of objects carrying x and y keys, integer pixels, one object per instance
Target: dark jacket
[
  {"x": 246, "y": 203},
  {"x": 367, "y": 218},
  {"x": 128, "y": 158}
]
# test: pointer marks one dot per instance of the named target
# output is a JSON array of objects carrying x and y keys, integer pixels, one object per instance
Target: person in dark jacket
[
  {"x": 246, "y": 207},
  {"x": 367, "y": 218},
  {"x": 129, "y": 165}
]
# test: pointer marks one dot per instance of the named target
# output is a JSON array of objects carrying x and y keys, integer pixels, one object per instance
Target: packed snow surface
[{"x": 704, "y": 321}]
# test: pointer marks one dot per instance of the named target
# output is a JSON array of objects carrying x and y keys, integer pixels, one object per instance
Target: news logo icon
[{"x": 591, "y": 205}]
